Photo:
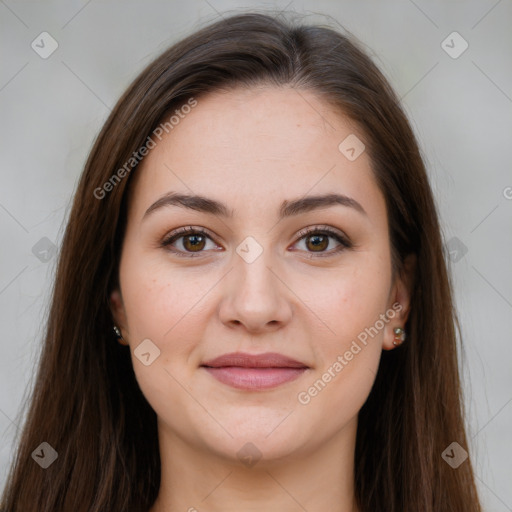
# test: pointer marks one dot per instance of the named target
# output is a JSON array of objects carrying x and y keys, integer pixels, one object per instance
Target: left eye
[
  {"x": 317, "y": 241},
  {"x": 193, "y": 242}
]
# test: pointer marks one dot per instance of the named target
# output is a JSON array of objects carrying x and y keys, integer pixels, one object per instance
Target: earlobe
[
  {"x": 118, "y": 314},
  {"x": 401, "y": 295},
  {"x": 404, "y": 286}
]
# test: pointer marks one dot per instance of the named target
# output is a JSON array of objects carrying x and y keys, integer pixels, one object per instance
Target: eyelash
[{"x": 322, "y": 230}]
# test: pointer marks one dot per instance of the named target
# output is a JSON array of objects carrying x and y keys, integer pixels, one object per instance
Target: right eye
[{"x": 192, "y": 240}]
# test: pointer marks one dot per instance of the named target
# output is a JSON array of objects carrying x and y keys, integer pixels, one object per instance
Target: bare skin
[{"x": 252, "y": 149}]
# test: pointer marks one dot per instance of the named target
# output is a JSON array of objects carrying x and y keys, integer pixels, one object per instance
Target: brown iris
[
  {"x": 319, "y": 242},
  {"x": 194, "y": 243}
]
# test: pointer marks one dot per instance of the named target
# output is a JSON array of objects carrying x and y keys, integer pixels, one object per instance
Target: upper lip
[{"x": 266, "y": 360}]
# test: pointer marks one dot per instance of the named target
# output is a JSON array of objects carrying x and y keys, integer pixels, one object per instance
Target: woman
[{"x": 255, "y": 227}]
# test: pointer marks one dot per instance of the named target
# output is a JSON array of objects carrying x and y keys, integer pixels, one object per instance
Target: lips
[
  {"x": 267, "y": 360},
  {"x": 254, "y": 371}
]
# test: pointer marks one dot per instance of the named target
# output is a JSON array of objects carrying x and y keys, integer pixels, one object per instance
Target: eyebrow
[{"x": 287, "y": 209}]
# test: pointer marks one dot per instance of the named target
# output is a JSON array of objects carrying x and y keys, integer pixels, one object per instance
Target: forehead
[{"x": 257, "y": 145}]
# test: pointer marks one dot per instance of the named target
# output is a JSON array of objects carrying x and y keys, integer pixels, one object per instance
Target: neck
[{"x": 321, "y": 478}]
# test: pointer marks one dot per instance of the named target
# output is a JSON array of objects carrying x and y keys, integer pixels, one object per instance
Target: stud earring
[
  {"x": 119, "y": 336},
  {"x": 399, "y": 336}
]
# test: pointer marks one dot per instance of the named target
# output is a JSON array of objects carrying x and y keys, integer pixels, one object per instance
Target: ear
[
  {"x": 400, "y": 300},
  {"x": 119, "y": 314}
]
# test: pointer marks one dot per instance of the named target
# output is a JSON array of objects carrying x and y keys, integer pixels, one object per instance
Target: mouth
[{"x": 254, "y": 372}]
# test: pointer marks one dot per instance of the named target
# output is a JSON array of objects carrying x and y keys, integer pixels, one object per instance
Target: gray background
[{"x": 460, "y": 108}]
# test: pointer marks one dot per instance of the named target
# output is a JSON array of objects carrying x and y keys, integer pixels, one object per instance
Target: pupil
[
  {"x": 318, "y": 241},
  {"x": 195, "y": 240}
]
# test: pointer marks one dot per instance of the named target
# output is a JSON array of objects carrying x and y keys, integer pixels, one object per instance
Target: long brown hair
[{"x": 86, "y": 402}]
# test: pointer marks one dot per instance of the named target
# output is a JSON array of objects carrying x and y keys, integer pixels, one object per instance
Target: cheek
[
  {"x": 164, "y": 304},
  {"x": 351, "y": 299},
  {"x": 351, "y": 306},
  {"x": 166, "y": 307},
  {"x": 154, "y": 308}
]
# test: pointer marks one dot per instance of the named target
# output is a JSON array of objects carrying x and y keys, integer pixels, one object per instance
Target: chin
[{"x": 266, "y": 437}]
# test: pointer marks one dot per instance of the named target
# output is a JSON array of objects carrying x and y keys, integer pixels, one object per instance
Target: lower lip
[{"x": 254, "y": 378}]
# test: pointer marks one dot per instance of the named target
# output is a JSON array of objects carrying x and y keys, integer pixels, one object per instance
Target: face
[{"x": 296, "y": 292}]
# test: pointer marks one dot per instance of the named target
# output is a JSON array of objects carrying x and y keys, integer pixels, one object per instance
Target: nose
[{"x": 255, "y": 296}]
